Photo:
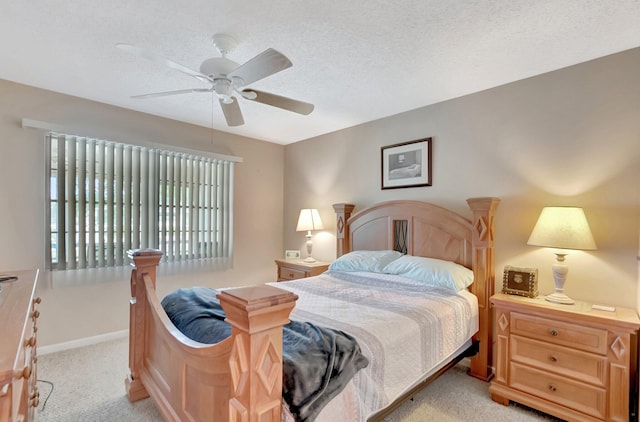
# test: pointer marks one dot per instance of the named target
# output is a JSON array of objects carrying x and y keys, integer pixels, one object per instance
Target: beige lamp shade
[
  {"x": 562, "y": 228},
  {"x": 309, "y": 219}
]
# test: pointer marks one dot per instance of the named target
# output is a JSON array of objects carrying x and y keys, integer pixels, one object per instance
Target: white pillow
[
  {"x": 371, "y": 261},
  {"x": 436, "y": 272}
]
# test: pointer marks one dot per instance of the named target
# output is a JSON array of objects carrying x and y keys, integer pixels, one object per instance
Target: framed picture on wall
[{"x": 406, "y": 165}]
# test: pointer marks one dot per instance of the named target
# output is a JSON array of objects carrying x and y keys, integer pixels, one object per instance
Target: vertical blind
[{"x": 107, "y": 197}]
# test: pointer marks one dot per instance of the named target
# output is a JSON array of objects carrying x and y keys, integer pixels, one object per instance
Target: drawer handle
[
  {"x": 291, "y": 275},
  {"x": 554, "y": 332},
  {"x": 553, "y": 358},
  {"x": 552, "y": 387}
]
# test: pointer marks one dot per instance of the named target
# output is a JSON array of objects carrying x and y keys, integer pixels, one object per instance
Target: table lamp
[
  {"x": 308, "y": 220},
  {"x": 562, "y": 228}
]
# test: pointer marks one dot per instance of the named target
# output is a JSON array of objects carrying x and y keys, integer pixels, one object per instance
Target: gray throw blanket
[{"x": 317, "y": 361}]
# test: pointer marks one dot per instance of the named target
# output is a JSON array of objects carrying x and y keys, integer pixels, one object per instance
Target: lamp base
[
  {"x": 559, "y": 298},
  {"x": 309, "y": 259},
  {"x": 560, "y": 270}
]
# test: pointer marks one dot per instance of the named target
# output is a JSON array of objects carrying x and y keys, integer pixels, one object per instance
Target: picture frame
[
  {"x": 406, "y": 165},
  {"x": 291, "y": 254},
  {"x": 520, "y": 281}
]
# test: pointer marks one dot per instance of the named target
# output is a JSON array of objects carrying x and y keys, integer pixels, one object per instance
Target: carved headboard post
[
  {"x": 483, "y": 287},
  {"x": 343, "y": 212},
  {"x": 144, "y": 262}
]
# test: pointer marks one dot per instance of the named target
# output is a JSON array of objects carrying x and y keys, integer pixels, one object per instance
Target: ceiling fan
[{"x": 228, "y": 78}]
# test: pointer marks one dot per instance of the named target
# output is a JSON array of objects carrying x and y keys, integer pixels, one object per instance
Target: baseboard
[{"x": 87, "y": 341}]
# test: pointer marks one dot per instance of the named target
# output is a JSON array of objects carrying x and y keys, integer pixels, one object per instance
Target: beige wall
[
  {"x": 86, "y": 303},
  {"x": 569, "y": 137}
]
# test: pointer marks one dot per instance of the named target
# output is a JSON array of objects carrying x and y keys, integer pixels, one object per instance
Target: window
[{"x": 107, "y": 197}]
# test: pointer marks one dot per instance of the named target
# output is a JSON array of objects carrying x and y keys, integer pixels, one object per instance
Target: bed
[{"x": 240, "y": 377}]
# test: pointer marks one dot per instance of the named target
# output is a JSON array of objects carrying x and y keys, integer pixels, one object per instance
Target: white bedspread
[{"x": 404, "y": 327}]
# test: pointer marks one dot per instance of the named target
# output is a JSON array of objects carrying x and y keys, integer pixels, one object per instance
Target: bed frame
[{"x": 240, "y": 378}]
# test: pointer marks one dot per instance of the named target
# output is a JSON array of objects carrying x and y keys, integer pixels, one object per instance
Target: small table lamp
[
  {"x": 562, "y": 228},
  {"x": 309, "y": 220}
]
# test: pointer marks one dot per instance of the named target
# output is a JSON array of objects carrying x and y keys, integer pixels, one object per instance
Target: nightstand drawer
[
  {"x": 294, "y": 269},
  {"x": 286, "y": 273},
  {"x": 558, "y": 332},
  {"x": 584, "y": 398},
  {"x": 561, "y": 360}
]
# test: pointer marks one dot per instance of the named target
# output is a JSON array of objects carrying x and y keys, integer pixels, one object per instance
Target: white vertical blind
[
  {"x": 91, "y": 200},
  {"x": 71, "y": 206},
  {"x": 100, "y": 206},
  {"x": 82, "y": 202},
  {"x": 119, "y": 193},
  {"x": 109, "y": 197},
  {"x": 126, "y": 203}
]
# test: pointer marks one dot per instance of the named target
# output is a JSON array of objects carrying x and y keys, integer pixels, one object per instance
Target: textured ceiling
[{"x": 356, "y": 60}]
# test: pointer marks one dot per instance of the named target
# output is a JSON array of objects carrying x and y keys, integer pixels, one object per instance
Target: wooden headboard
[{"x": 424, "y": 229}]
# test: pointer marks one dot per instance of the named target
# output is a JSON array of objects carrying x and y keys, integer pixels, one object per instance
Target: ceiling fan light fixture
[{"x": 223, "y": 87}]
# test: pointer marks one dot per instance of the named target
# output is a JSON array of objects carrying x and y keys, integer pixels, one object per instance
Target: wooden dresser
[
  {"x": 291, "y": 269},
  {"x": 570, "y": 361},
  {"x": 19, "y": 395}
]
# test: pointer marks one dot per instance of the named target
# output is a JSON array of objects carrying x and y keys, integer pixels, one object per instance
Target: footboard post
[
  {"x": 256, "y": 315},
  {"x": 144, "y": 261},
  {"x": 483, "y": 286}
]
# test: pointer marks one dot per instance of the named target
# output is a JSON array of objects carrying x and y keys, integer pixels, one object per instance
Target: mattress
[{"x": 405, "y": 328}]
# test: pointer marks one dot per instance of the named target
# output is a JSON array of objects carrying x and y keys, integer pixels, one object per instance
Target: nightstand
[
  {"x": 291, "y": 269},
  {"x": 570, "y": 361}
]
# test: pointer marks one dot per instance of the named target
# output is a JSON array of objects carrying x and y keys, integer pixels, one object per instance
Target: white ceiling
[{"x": 356, "y": 60}]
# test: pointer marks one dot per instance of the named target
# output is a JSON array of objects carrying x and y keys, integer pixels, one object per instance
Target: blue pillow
[
  {"x": 445, "y": 274},
  {"x": 371, "y": 261}
]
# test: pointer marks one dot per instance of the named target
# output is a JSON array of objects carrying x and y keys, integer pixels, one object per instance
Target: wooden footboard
[{"x": 238, "y": 379}]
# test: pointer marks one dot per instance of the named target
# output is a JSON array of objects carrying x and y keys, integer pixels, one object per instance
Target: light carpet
[{"x": 89, "y": 386}]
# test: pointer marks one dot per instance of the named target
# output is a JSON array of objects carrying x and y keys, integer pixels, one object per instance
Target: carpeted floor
[{"x": 89, "y": 386}]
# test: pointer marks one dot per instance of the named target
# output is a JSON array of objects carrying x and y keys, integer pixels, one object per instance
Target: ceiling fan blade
[
  {"x": 166, "y": 93},
  {"x": 232, "y": 113},
  {"x": 164, "y": 61},
  {"x": 284, "y": 103},
  {"x": 264, "y": 64}
]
